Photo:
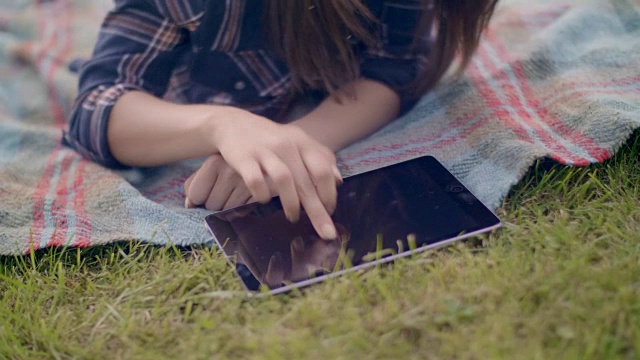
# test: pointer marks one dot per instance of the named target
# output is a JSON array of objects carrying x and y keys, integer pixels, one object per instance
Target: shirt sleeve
[
  {"x": 139, "y": 44},
  {"x": 395, "y": 60}
]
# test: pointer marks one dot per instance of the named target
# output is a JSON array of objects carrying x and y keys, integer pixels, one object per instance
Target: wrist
[
  {"x": 314, "y": 129},
  {"x": 209, "y": 126}
]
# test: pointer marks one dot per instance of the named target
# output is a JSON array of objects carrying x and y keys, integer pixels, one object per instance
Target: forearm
[
  {"x": 337, "y": 125},
  {"x": 146, "y": 131}
]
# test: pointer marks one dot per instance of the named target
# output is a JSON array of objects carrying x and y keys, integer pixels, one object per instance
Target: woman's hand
[
  {"x": 281, "y": 159},
  {"x": 298, "y": 157},
  {"x": 216, "y": 186}
]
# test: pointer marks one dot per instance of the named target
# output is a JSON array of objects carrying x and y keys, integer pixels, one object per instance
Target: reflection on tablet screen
[{"x": 379, "y": 213}]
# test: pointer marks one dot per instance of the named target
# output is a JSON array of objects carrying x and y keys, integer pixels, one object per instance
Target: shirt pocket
[
  {"x": 215, "y": 70},
  {"x": 268, "y": 75},
  {"x": 246, "y": 75}
]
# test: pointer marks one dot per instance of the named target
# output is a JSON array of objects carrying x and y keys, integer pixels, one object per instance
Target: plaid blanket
[{"x": 556, "y": 79}]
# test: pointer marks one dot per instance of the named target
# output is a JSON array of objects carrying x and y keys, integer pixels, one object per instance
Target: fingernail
[
  {"x": 329, "y": 232},
  {"x": 337, "y": 174},
  {"x": 298, "y": 244},
  {"x": 188, "y": 204},
  {"x": 277, "y": 257},
  {"x": 291, "y": 219}
]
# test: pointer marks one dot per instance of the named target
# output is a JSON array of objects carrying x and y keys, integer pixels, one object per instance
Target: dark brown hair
[{"x": 313, "y": 36}]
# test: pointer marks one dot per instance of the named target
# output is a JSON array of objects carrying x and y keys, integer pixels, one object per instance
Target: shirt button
[{"x": 240, "y": 85}]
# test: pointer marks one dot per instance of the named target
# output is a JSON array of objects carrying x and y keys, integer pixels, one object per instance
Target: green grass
[{"x": 560, "y": 280}]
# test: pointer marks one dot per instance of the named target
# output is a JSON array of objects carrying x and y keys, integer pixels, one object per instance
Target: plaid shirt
[{"x": 213, "y": 52}]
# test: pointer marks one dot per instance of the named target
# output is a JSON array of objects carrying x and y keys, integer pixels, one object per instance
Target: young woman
[{"x": 180, "y": 79}]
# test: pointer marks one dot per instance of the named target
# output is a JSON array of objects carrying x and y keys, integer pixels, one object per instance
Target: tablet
[{"x": 381, "y": 215}]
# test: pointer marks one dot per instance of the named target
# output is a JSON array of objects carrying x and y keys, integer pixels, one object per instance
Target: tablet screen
[{"x": 381, "y": 213}]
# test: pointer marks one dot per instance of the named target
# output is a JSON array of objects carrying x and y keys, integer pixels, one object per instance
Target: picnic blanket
[{"x": 556, "y": 79}]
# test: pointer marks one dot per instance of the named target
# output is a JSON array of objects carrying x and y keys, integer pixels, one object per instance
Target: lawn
[{"x": 561, "y": 279}]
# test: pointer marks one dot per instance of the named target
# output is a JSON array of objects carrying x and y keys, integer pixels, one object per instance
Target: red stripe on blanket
[
  {"x": 39, "y": 197},
  {"x": 492, "y": 101},
  {"x": 82, "y": 231},
  {"x": 171, "y": 190},
  {"x": 58, "y": 208},
  {"x": 560, "y": 128},
  {"x": 533, "y": 24},
  {"x": 522, "y": 110},
  {"x": 59, "y": 19},
  {"x": 83, "y": 225},
  {"x": 41, "y": 189}
]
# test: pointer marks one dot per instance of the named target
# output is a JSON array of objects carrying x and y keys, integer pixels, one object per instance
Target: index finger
[
  {"x": 319, "y": 217},
  {"x": 310, "y": 199},
  {"x": 323, "y": 175}
]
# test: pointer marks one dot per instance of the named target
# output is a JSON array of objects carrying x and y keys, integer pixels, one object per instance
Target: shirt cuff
[{"x": 87, "y": 132}]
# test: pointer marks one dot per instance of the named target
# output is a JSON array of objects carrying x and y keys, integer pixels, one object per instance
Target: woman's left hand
[{"x": 216, "y": 186}]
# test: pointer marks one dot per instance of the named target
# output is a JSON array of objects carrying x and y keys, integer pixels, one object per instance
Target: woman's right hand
[{"x": 301, "y": 170}]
